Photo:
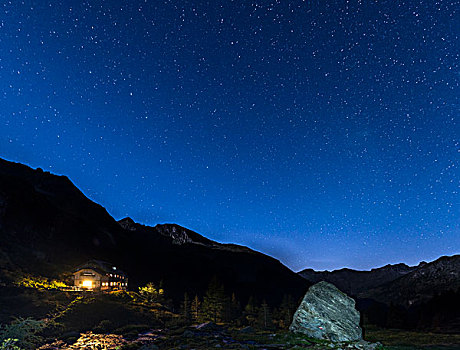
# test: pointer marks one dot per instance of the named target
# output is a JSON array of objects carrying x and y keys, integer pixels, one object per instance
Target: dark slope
[
  {"x": 420, "y": 285},
  {"x": 47, "y": 227},
  {"x": 425, "y": 299},
  {"x": 190, "y": 265}
]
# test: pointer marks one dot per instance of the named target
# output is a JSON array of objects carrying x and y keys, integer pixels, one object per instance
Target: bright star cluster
[{"x": 323, "y": 133}]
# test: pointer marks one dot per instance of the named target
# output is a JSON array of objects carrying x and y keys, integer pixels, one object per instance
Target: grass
[{"x": 400, "y": 339}]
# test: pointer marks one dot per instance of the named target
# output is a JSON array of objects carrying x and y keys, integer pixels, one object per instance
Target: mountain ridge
[
  {"x": 353, "y": 281},
  {"x": 421, "y": 284},
  {"x": 48, "y": 226},
  {"x": 366, "y": 283}
]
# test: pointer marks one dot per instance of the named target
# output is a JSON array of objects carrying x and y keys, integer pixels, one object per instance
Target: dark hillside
[{"x": 48, "y": 226}]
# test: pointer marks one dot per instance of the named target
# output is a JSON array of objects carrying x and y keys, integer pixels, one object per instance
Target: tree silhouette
[
  {"x": 214, "y": 301},
  {"x": 195, "y": 309},
  {"x": 264, "y": 316},
  {"x": 185, "y": 308},
  {"x": 151, "y": 294},
  {"x": 251, "y": 312},
  {"x": 287, "y": 310},
  {"x": 234, "y": 310}
]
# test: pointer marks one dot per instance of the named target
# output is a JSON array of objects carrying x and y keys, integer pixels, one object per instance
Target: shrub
[
  {"x": 9, "y": 344},
  {"x": 40, "y": 283},
  {"x": 131, "y": 331},
  {"x": 131, "y": 346},
  {"x": 23, "y": 331},
  {"x": 103, "y": 327},
  {"x": 151, "y": 294}
]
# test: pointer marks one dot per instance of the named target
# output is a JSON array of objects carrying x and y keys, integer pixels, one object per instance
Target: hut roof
[{"x": 101, "y": 267}]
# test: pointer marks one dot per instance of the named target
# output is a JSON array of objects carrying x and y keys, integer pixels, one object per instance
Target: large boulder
[{"x": 327, "y": 313}]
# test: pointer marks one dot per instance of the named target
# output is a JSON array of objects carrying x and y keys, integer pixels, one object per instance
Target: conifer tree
[
  {"x": 214, "y": 301},
  {"x": 264, "y": 316},
  {"x": 185, "y": 308},
  {"x": 152, "y": 294},
  {"x": 287, "y": 310},
  {"x": 234, "y": 310},
  {"x": 250, "y": 312},
  {"x": 195, "y": 309}
]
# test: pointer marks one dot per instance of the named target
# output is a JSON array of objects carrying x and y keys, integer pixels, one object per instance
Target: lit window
[{"x": 87, "y": 284}]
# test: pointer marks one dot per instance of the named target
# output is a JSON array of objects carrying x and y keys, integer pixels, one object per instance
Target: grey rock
[
  {"x": 209, "y": 327},
  {"x": 362, "y": 344},
  {"x": 247, "y": 329},
  {"x": 327, "y": 313},
  {"x": 70, "y": 335},
  {"x": 374, "y": 346},
  {"x": 188, "y": 334}
]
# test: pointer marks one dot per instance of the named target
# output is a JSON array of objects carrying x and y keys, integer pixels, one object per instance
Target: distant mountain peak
[
  {"x": 128, "y": 224},
  {"x": 422, "y": 263},
  {"x": 177, "y": 233},
  {"x": 400, "y": 267}
]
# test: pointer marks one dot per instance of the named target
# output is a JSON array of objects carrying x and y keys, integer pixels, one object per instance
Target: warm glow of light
[{"x": 87, "y": 284}]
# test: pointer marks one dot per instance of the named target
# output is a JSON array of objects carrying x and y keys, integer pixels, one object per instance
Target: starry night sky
[{"x": 323, "y": 133}]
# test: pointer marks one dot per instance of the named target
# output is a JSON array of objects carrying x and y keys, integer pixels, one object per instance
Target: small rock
[
  {"x": 188, "y": 334},
  {"x": 70, "y": 335},
  {"x": 371, "y": 346},
  {"x": 149, "y": 347},
  {"x": 209, "y": 327},
  {"x": 247, "y": 330}
]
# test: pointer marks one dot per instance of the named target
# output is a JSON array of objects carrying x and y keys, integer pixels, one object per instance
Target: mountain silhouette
[{"x": 48, "y": 227}]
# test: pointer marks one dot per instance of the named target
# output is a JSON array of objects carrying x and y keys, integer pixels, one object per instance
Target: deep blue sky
[{"x": 323, "y": 133}]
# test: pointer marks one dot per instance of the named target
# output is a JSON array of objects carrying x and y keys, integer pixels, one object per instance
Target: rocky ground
[
  {"x": 204, "y": 336},
  {"x": 211, "y": 336}
]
